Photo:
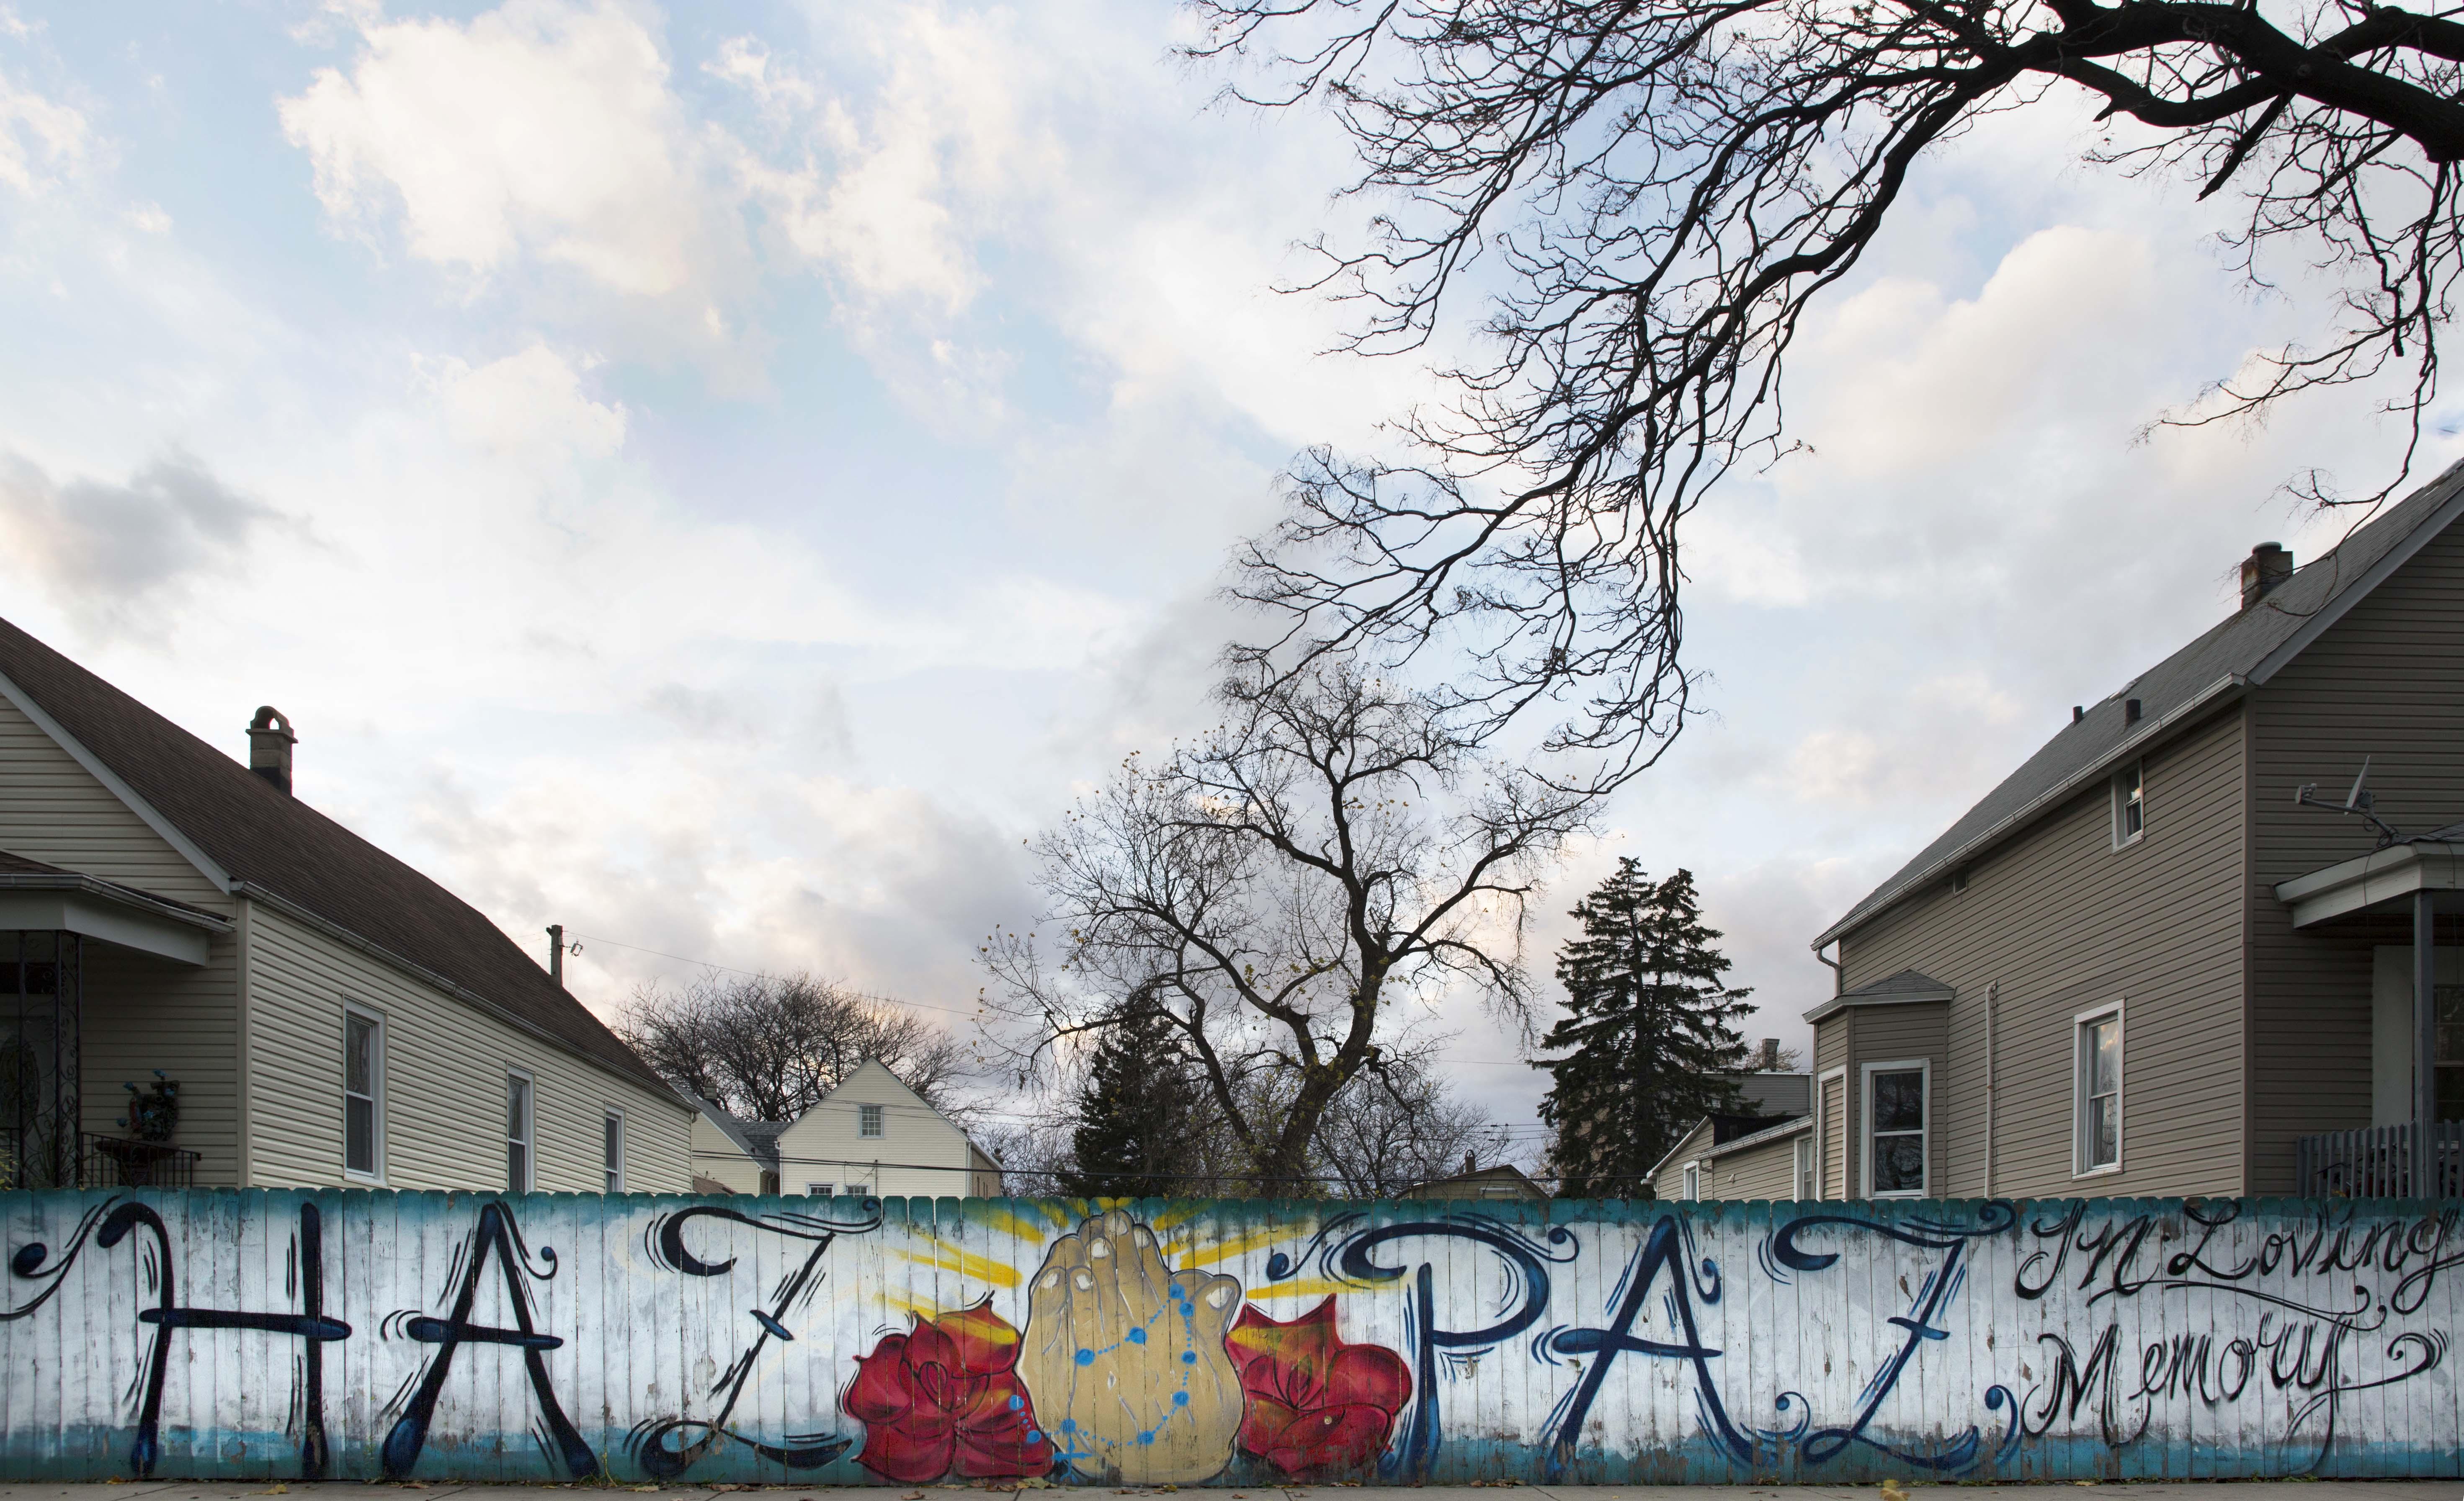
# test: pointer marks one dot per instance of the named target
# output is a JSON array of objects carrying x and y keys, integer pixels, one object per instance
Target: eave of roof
[
  {"x": 2242, "y": 652},
  {"x": 17, "y": 877},
  {"x": 2365, "y": 880},
  {"x": 1907, "y": 987}
]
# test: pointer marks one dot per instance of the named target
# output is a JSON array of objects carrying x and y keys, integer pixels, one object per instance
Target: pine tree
[
  {"x": 1649, "y": 1024},
  {"x": 1138, "y": 1116}
]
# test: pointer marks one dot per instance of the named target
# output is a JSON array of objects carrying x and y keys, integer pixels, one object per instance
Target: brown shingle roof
[{"x": 275, "y": 842}]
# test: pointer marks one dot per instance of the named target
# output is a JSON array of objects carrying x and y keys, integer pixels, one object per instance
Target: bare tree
[
  {"x": 769, "y": 1046},
  {"x": 1276, "y": 891},
  {"x": 1403, "y": 1125},
  {"x": 1666, "y": 185}
]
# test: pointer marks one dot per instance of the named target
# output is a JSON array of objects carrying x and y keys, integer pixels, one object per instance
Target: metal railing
[
  {"x": 121, "y": 1162},
  {"x": 30, "y": 1160},
  {"x": 2383, "y": 1162}
]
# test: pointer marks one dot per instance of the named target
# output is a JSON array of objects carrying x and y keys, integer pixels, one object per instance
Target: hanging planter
[{"x": 154, "y": 1113}]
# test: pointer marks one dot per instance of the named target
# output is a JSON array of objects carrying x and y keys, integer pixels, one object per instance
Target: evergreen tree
[
  {"x": 1141, "y": 1121},
  {"x": 1649, "y": 1024}
]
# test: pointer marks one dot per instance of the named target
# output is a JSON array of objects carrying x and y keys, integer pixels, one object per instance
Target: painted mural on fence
[{"x": 836, "y": 1342}]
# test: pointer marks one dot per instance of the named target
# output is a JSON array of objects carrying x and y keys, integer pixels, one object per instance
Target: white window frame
[
  {"x": 1693, "y": 1181},
  {"x": 871, "y": 1123},
  {"x": 2079, "y": 1090},
  {"x": 817, "y": 1190},
  {"x": 858, "y": 1190},
  {"x": 614, "y": 1119},
  {"x": 1822, "y": 1128},
  {"x": 1865, "y": 1121},
  {"x": 2124, "y": 837},
  {"x": 377, "y": 1097},
  {"x": 530, "y": 1126},
  {"x": 1807, "y": 1166}
]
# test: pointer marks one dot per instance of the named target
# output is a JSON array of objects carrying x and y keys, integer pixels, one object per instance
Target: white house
[
  {"x": 872, "y": 1135},
  {"x": 329, "y": 1016}
]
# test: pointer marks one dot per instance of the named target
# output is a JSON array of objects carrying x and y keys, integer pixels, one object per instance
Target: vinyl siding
[
  {"x": 2063, "y": 922},
  {"x": 445, "y": 1071},
  {"x": 1670, "y": 1181},
  {"x": 1767, "y": 1171},
  {"x": 2387, "y": 681},
  {"x": 722, "y": 1160},
  {"x": 1831, "y": 1133},
  {"x": 919, "y": 1153},
  {"x": 54, "y": 810}
]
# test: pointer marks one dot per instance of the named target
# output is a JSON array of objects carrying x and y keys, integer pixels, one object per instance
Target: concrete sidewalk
[{"x": 2215, "y": 1490}]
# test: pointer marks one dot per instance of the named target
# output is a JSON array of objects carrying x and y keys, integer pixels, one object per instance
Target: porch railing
[
  {"x": 102, "y": 1162},
  {"x": 119, "y": 1163},
  {"x": 2383, "y": 1162}
]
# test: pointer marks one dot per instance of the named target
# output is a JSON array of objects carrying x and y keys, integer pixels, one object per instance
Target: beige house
[
  {"x": 872, "y": 1135},
  {"x": 2164, "y": 957},
  {"x": 327, "y": 1015}
]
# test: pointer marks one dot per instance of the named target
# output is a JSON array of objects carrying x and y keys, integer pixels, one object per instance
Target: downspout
[
  {"x": 1993, "y": 1004},
  {"x": 1839, "y": 973}
]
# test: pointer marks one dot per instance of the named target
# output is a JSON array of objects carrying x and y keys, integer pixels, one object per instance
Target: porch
[
  {"x": 83, "y": 963},
  {"x": 2413, "y": 1146}
]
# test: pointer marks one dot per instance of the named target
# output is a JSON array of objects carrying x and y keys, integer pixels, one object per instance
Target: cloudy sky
[{"x": 720, "y": 478}]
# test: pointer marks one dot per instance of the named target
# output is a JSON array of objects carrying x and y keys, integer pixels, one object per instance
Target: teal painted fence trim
[{"x": 268, "y": 1334}]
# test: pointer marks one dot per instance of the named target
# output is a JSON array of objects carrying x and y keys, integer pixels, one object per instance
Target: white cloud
[
  {"x": 541, "y": 127},
  {"x": 529, "y": 404},
  {"x": 41, "y": 141}
]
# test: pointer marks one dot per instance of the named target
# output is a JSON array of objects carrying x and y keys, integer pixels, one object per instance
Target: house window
[
  {"x": 818, "y": 1190},
  {"x": 868, "y": 1120},
  {"x": 1693, "y": 1180},
  {"x": 363, "y": 1094},
  {"x": 2096, "y": 1096},
  {"x": 1895, "y": 1129},
  {"x": 1805, "y": 1188},
  {"x": 518, "y": 1132},
  {"x": 858, "y": 1190},
  {"x": 2129, "y": 804},
  {"x": 612, "y": 1154}
]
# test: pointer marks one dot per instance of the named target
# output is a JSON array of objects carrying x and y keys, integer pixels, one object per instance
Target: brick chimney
[
  {"x": 2268, "y": 566},
  {"x": 269, "y": 747},
  {"x": 1769, "y": 1058}
]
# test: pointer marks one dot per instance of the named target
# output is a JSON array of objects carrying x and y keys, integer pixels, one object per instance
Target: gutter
[
  {"x": 2224, "y": 688},
  {"x": 471, "y": 998}
]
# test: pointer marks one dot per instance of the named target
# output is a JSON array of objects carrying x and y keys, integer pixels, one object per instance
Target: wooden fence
[{"x": 283, "y": 1336}]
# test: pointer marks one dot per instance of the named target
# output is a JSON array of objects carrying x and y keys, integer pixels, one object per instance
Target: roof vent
[
  {"x": 269, "y": 747},
  {"x": 2078, "y": 713},
  {"x": 2131, "y": 711},
  {"x": 2268, "y": 566}
]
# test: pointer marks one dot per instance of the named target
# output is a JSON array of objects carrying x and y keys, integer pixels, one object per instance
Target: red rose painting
[
  {"x": 945, "y": 1397},
  {"x": 1314, "y": 1402}
]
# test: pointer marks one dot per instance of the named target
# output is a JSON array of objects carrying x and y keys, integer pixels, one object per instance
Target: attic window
[
  {"x": 868, "y": 1120},
  {"x": 2129, "y": 804},
  {"x": 1958, "y": 879}
]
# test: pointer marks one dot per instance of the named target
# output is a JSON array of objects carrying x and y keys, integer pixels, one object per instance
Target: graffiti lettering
[
  {"x": 661, "y": 1445},
  {"x": 498, "y": 1236}
]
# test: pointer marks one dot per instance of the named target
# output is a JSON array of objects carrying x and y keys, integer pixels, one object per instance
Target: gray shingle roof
[
  {"x": 278, "y": 844},
  {"x": 2247, "y": 646}
]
